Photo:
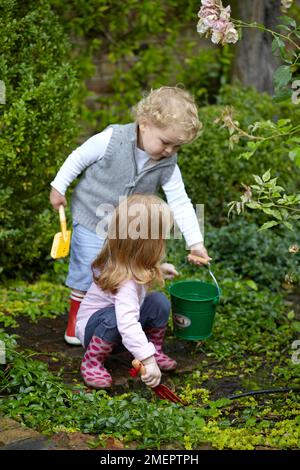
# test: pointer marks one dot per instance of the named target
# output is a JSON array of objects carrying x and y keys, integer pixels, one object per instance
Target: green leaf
[
  {"x": 267, "y": 225},
  {"x": 274, "y": 212},
  {"x": 296, "y": 326},
  {"x": 288, "y": 21},
  {"x": 250, "y": 422},
  {"x": 253, "y": 145},
  {"x": 272, "y": 182},
  {"x": 246, "y": 155},
  {"x": 258, "y": 179},
  {"x": 291, "y": 315},
  {"x": 282, "y": 76},
  {"x": 282, "y": 94},
  {"x": 294, "y": 155},
  {"x": 220, "y": 403},
  {"x": 277, "y": 214},
  {"x": 288, "y": 225},
  {"x": 252, "y": 284},
  {"x": 253, "y": 205},
  {"x": 284, "y": 123},
  {"x": 266, "y": 176},
  {"x": 277, "y": 43}
]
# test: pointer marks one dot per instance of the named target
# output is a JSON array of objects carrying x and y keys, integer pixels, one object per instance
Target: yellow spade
[{"x": 61, "y": 242}]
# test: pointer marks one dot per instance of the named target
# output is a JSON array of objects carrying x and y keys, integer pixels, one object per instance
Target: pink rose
[
  {"x": 208, "y": 3},
  {"x": 220, "y": 26},
  {"x": 202, "y": 27},
  {"x": 216, "y": 37},
  {"x": 208, "y": 13},
  {"x": 215, "y": 19},
  {"x": 225, "y": 13},
  {"x": 231, "y": 34}
]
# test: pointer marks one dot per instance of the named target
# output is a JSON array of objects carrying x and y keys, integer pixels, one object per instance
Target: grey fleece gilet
[{"x": 115, "y": 175}]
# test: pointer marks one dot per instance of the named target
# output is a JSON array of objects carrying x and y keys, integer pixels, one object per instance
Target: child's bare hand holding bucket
[
  {"x": 57, "y": 199},
  {"x": 200, "y": 251}
]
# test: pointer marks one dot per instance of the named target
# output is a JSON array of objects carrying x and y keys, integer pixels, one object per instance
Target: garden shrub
[
  {"x": 261, "y": 256},
  {"x": 213, "y": 172},
  {"x": 143, "y": 45},
  {"x": 37, "y": 127}
]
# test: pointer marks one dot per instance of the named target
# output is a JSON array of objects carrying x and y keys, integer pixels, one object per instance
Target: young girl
[
  {"x": 124, "y": 159},
  {"x": 117, "y": 307}
]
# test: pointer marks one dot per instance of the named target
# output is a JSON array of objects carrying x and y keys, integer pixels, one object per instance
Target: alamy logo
[
  {"x": 137, "y": 221},
  {"x": 296, "y": 93},
  {"x": 2, "y": 353},
  {"x": 2, "y": 92},
  {"x": 296, "y": 354}
]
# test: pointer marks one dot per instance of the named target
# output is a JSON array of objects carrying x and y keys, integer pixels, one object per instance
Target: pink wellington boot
[
  {"x": 92, "y": 370},
  {"x": 156, "y": 336}
]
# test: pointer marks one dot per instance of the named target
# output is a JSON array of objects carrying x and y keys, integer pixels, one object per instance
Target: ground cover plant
[{"x": 251, "y": 349}]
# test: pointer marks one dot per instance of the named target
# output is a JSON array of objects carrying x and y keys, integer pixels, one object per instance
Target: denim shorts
[{"x": 85, "y": 246}]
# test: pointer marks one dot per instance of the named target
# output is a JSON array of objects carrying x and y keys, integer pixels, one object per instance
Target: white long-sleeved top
[{"x": 94, "y": 149}]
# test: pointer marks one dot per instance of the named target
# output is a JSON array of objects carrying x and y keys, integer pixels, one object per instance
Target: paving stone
[
  {"x": 7, "y": 423},
  {"x": 17, "y": 433},
  {"x": 14, "y": 435},
  {"x": 40, "y": 443}
]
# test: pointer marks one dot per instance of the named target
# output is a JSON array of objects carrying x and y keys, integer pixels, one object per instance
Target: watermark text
[
  {"x": 2, "y": 92},
  {"x": 153, "y": 222},
  {"x": 2, "y": 353},
  {"x": 296, "y": 353}
]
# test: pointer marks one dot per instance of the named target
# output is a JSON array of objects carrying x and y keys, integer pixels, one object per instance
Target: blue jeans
[
  {"x": 85, "y": 246},
  {"x": 154, "y": 313}
]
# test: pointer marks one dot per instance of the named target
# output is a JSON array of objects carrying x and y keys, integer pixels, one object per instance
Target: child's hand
[
  {"x": 57, "y": 199},
  {"x": 168, "y": 270},
  {"x": 152, "y": 374},
  {"x": 199, "y": 250}
]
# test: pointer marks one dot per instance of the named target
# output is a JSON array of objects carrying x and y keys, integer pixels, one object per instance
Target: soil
[{"x": 45, "y": 338}]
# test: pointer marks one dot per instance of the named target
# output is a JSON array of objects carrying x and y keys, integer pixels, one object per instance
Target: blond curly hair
[{"x": 170, "y": 106}]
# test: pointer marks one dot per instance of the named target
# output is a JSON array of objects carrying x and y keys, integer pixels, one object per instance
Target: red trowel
[{"x": 160, "y": 390}]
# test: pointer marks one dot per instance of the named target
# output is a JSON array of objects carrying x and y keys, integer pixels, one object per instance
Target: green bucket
[{"x": 194, "y": 307}]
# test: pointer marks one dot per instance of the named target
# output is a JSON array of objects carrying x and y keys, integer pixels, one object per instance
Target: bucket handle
[
  {"x": 214, "y": 279},
  {"x": 208, "y": 264}
]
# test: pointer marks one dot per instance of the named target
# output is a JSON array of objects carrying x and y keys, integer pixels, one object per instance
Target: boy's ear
[{"x": 144, "y": 123}]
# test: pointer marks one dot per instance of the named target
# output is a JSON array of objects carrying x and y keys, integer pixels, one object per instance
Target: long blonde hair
[{"x": 131, "y": 254}]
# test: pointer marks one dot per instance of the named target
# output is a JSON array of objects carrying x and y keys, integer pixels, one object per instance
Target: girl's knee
[
  {"x": 162, "y": 304},
  {"x": 112, "y": 335}
]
